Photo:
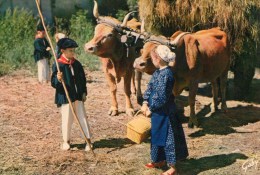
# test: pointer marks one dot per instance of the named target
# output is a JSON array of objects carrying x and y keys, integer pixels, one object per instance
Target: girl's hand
[
  {"x": 144, "y": 108},
  {"x": 148, "y": 113}
]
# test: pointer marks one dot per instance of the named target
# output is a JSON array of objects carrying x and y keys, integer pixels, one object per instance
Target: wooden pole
[{"x": 62, "y": 81}]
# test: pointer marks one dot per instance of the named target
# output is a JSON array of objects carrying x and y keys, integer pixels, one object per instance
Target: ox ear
[{"x": 192, "y": 52}]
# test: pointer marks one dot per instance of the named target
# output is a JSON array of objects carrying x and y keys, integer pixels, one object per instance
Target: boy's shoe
[
  {"x": 65, "y": 146},
  {"x": 87, "y": 148}
]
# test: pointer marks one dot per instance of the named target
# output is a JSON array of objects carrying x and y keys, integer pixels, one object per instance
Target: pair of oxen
[{"x": 203, "y": 56}]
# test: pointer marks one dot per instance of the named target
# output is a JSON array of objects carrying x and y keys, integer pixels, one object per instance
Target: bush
[
  {"x": 82, "y": 30},
  {"x": 17, "y": 30}
]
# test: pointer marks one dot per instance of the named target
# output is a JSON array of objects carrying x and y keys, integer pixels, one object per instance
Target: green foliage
[
  {"x": 121, "y": 14},
  {"x": 132, "y": 4},
  {"x": 62, "y": 25},
  {"x": 111, "y": 7},
  {"x": 17, "y": 30},
  {"x": 82, "y": 30}
]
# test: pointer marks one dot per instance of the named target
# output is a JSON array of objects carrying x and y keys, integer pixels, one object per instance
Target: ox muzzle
[
  {"x": 140, "y": 64},
  {"x": 90, "y": 48}
]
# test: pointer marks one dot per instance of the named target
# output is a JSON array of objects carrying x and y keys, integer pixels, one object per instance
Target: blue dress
[{"x": 167, "y": 135}]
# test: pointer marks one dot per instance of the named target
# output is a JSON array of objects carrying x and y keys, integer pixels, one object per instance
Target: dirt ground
[{"x": 30, "y": 133}]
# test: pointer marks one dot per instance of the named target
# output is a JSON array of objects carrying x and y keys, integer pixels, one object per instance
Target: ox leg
[
  {"x": 214, "y": 85},
  {"x": 112, "y": 85},
  {"x": 193, "y": 121},
  {"x": 133, "y": 87},
  {"x": 127, "y": 90},
  {"x": 139, "y": 91},
  {"x": 223, "y": 88}
]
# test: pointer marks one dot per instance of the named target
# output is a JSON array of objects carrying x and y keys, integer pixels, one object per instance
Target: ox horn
[
  {"x": 142, "y": 26},
  {"x": 126, "y": 18},
  {"x": 176, "y": 40},
  {"x": 95, "y": 10}
]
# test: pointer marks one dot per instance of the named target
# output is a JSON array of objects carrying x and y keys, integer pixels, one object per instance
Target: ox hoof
[
  {"x": 190, "y": 125},
  {"x": 112, "y": 111},
  {"x": 140, "y": 100},
  {"x": 133, "y": 91},
  {"x": 216, "y": 109},
  {"x": 224, "y": 108},
  {"x": 130, "y": 112},
  {"x": 193, "y": 122}
]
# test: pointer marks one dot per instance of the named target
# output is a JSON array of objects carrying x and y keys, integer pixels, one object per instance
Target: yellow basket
[{"x": 139, "y": 128}]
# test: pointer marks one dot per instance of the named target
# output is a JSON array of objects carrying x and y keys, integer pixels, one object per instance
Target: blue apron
[
  {"x": 159, "y": 129},
  {"x": 160, "y": 119}
]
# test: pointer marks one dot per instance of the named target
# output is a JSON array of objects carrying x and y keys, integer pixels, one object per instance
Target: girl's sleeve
[
  {"x": 148, "y": 91},
  {"x": 162, "y": 93}
]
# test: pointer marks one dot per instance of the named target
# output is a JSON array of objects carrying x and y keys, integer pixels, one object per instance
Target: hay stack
[{"x": 238, "y": 18}]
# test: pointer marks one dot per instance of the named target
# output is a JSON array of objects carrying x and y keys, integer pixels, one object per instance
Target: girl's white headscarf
[{"x": 165, "y": 53}]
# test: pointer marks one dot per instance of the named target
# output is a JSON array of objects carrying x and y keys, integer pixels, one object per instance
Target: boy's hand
[
  {"x": 84, "y": 97},
  {"x": 48, "y": 48},
  {"x": 59, "y": 76}
]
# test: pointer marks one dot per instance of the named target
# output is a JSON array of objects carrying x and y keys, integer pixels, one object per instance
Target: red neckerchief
[{"x": 64, "y": 60}]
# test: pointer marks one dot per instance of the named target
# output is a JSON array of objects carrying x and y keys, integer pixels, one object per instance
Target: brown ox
[
  {"x": 200, "y": 57},
  {"x": 117, "y": 59}
]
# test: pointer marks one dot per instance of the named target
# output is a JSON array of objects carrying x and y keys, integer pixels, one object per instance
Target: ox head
[
  {"x": 144, "y": 62},
  {"x": 110, "y": 35}
]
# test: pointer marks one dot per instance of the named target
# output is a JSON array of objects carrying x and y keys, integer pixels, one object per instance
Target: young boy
[
  {"x": 72, "y": 73},
  {"x": 167, "y": 137},
  {"x": 42, "y": 55}
]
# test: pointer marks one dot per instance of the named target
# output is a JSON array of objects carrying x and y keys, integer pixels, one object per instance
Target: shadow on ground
[
  {"x": 252, "y": 96},
  {"x": 222, "y": 123},
  {"x": 195, "y": 166},
  {"x": 115, "y": 143}
]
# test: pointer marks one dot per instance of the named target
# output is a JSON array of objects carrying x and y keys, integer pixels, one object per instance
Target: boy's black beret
[
  {"x": 40, "y": 27},
  {"x": 65, "y": 43}
]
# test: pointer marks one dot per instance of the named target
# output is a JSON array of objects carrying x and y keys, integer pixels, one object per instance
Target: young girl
[
  {"x": 58, "y": 36},
  {"x": 42, "y": 54},
  {"x": 167, "y": 137},
  {"x": 74, "y": 78}
]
